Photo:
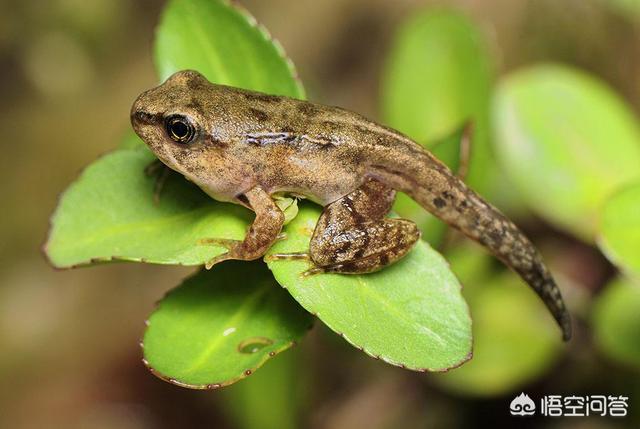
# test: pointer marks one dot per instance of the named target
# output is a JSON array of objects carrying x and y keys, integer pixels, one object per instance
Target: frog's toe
[
  {"x": 287, "y": 256},
  {"x": 312, "y": 272},
  {"x": 217, "y": 260},
  {"x": 219, "y": 242}
]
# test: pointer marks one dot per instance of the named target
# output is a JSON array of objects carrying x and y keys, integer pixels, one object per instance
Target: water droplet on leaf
[{"x": 253, "y": 344}]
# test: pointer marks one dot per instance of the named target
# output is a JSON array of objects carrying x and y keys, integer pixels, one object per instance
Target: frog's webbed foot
[{"x": 161, "y": 171}]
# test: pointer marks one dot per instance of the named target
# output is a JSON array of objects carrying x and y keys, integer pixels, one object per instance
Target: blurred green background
[{"x": 69, "y": 339}]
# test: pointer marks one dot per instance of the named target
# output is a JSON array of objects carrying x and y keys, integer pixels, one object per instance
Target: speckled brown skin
[{"x": 248, "y": 146}]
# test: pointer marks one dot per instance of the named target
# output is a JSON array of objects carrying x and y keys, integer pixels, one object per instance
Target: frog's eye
[{"x": 180, "y": 129}]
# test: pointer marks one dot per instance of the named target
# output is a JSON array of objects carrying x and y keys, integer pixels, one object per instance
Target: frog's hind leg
[{"x": 353, "y": 236}]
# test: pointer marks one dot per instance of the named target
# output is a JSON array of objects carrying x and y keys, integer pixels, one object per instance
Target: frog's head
[{"x": 171, "y": 119}]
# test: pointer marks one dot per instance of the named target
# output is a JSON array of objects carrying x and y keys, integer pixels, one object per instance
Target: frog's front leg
[
  {"x": 161, "y": 172},
  {"x": 262, "y": 233},
  {"x": 353, "y": 236}
]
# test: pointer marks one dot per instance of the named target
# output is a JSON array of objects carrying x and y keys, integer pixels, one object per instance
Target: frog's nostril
[{"x": 143, "y": 117}]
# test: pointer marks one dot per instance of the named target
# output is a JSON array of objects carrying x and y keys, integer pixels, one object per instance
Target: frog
[{"x": 247, "y": 148}]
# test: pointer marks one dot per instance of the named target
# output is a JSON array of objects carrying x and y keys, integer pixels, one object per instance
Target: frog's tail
[{"x": 443, "y": 194}]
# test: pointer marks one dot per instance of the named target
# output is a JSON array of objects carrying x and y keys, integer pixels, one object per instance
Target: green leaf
[
  {"x": 437, "y": 77},
  {"x": 616, "y": 321},
  {"x": 620, "y": 229},
  {"x": 515, "y": 340},
  {"x": 109, "y": 214},
  {"x": 451, "y": 151},
  {"x": 454, "y": 149},
  {"x": 224, "y": 43},
  {"x": 221, "y": 325},
  {"x": 410, "y": 314},
  {"x": 626, "y": 8},
  {"x": 567, "y": 141},
  {"x": 288, "y": 205},
  {"x": 275, "y": 395}
]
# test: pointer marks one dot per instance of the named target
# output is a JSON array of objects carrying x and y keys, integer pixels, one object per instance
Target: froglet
[{"x": 244, "y": 147}]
